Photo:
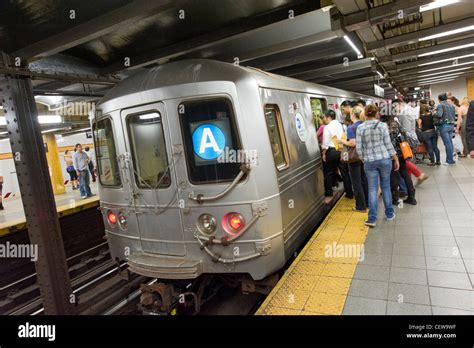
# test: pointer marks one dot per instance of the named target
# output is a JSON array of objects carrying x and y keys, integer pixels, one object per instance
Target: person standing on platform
[
  {"x": 470, "y": 128},
  {"x": 407, "y": 115},
  {"x": 430, "y": 137},
  {"x": 397, "y": 136},
  {"x": 70, "y": 169},
  {"x": 81, "y": 165},
  {"x": 346, "y": 108},
  {"x": 361, "y": 103},
  {"x": 333, "y": 132},
  {"x": 90, "y": 154},
  {"x": 461, "y": 125},
  {"x": 376, "y": 150},
  {"x": 444, "y": 120},
  {"x": 1, "y": 193},
  {"x": 356, "y": 169}
]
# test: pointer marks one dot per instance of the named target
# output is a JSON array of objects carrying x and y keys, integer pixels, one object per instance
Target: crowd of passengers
[{"x": 375, "y": 145}]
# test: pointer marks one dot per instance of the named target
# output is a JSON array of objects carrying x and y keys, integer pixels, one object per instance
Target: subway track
[{"x": 103, "y": 287}]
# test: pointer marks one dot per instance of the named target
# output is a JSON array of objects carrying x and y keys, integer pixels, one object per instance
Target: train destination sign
[{"x": 208, "y": 141}]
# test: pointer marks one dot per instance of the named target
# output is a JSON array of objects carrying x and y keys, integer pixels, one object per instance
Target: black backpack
[{"x": 438, "y": 120}]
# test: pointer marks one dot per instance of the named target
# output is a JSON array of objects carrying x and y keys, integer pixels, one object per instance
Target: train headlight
[
  {"x": 233, "y": 223},
  {"x": 112, "y": 218},
  {"x": 122, "y": 219},
  {"x": 207, "y": 223}
]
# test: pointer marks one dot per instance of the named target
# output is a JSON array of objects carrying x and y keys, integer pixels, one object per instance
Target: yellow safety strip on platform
[
  {"x": 318, "y": 280},
  {"x": 63, "y": 210}
]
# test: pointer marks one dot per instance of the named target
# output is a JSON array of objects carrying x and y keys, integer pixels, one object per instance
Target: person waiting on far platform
[
  {"x": 81, "y": 165},
  {"x": 90, "y": 154}
]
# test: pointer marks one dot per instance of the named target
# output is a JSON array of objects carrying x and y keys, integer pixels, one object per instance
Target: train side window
[
  {"x": 148, "y": 147},
  {"x": 318, "y": 106},
  {"x": 106, "y": 156},
  {"x": 276, "y": 134}
]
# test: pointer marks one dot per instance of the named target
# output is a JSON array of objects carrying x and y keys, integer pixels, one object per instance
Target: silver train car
[{"x": 207, "y": 167}]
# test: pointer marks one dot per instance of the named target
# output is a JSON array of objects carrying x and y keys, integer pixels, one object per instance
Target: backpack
[{"x": 438, "y": 120}]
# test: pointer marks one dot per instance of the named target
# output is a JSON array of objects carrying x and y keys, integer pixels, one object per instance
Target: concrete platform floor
[
  {"x": 13, "y": 212},
  {"x": 423, "y": 262}
]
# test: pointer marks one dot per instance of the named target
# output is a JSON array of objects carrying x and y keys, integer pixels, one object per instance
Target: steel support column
[{"x": 16, "y": 96}]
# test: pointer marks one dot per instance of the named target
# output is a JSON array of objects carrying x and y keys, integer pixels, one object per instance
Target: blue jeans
[
  {"x": 401, "y": 183},
  {"x": 446, "y": 133},
  {"x": 431, "y": 141},
  {"x": 84, "y": 181},
  {"x": 374, "y": 170}
]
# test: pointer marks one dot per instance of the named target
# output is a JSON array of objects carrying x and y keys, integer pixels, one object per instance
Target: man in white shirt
[{"x": 331, "y": 156}]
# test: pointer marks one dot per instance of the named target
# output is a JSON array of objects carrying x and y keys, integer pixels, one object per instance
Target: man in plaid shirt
[{"x": 374, "y": 147}]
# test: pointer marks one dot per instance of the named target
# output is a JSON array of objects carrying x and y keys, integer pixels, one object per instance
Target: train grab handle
[{"x": 200, "y": 198}]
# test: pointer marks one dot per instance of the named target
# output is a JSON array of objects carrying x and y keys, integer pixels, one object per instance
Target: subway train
[{"x": 210, "y": 168}]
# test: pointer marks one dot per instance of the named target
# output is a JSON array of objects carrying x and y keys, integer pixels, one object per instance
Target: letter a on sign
[{"x": 208, "y": 140}]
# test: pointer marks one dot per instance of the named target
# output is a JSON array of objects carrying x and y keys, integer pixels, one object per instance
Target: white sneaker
[
  {"x": 392, "y": 218},
  {"x": 83, "y": 197}
]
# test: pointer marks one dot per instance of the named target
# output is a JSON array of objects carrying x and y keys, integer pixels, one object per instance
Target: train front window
[
  {"x": 147, "y": 142},
  {"x": 109, "y": 174},
  {"x": 210, "y": 140}
]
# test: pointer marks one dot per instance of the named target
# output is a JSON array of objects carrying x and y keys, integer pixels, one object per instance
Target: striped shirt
[{"x": 373, "y": 141}]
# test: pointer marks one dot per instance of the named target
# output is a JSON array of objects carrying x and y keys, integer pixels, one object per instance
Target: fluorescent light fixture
[
  {"x": 54, "y": 130},
  {"x": 42, "y": 119},
  {"x": 417, "y": 88},
  {"x": 354, "y": 47},
  {"x": 380, "y": 74},
  {"x": 426, "y": 77},
  {"x": 148, "y": 116},
  {"x": 1, "y": 107},
  {"x": 449, "y": 66},
  {"x": 46, "y": 119},
  {"x": 446, "y": 50},
  {"x": 447, "y": 59},
  {"x": 327, "y": 8},
  {"x": 437, "y": 4},
  {"x": 450, "y": 72},
  {"x": 447, "y": 33},
  {"x": 424, "y": 82},
  {"x": 437, "y": 79},
  {"x": 3, "y": 133}
]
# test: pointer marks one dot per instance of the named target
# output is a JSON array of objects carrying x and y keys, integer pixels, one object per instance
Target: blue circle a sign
[{"x": 208, "y": 141}]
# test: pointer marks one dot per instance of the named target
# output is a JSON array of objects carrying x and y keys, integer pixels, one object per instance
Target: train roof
[{"x": 201, "y": 70}]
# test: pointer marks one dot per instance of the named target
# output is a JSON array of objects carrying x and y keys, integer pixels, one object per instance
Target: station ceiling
[{"x": 80, "y": 51}]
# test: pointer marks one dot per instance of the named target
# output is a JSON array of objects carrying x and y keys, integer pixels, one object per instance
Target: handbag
[
  {"x": 349, "y": 155},
  {"x": 406, "y": 150}
]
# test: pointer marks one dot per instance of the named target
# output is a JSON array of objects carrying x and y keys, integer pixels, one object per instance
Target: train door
[{"x": 153, "y": 179}]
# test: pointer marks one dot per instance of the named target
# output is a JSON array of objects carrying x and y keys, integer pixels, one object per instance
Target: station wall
[{"x": 458, "y": 88}]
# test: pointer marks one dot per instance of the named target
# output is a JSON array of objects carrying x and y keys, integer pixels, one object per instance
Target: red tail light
[
  {"x": 233, "y": 223},
  {"x": 112, "y": 218}
]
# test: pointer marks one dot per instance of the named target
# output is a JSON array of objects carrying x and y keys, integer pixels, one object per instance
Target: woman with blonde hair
[
  {"x": 356, "y": 167},
  {"x": 461, "y": 124}
]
